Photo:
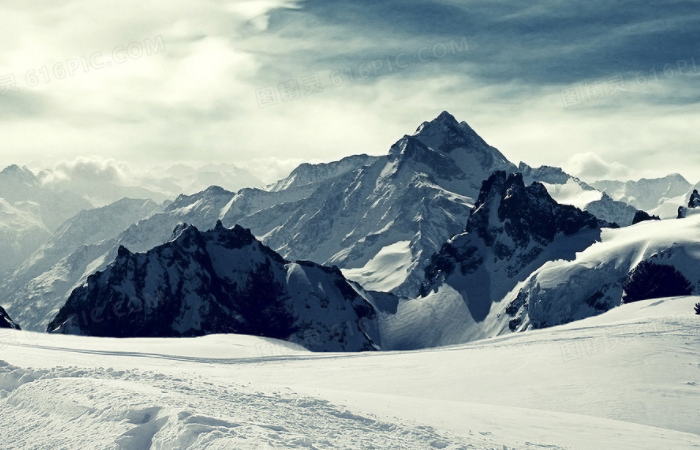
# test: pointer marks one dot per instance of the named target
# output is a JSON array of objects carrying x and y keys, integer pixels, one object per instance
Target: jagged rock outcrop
[
  {"x": 513, "y": 229},
  {"x": 693, "y": 206},
  {"x": 220, "y": 281},
  {"x": 694, "y": 200},
  {"x": 6, "y": 321},
  {"x": 514, "y": 222}
]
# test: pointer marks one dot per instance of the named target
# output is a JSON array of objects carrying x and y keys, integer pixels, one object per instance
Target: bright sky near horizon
[{"x": 604, "y": 89}]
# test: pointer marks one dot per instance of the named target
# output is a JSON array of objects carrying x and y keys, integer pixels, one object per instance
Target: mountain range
[{"x": 443, "y": 224}]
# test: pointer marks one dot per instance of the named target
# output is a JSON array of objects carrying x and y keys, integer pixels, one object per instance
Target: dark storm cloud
[{"x": 540, "y": 42}]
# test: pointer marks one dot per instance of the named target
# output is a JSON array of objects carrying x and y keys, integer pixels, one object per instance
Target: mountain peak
[
  {"x": 523, "y": 212},
  {"x": 445, "y": 134},
  {"x": 19, "y": 173},
  {"x": 446, "y": 117},
  {"x": 6, "y": 321}
]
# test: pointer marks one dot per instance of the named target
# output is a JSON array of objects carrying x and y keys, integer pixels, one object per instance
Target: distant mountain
[
  {"x": 29, "y": 213},
  {"x": 6, "y": 322},
  {"x": 220, "y": 281},
  {"x": 191, "y": 180},
  {"x": 512, "y": 230},
  {"x": 657, "y": 196},
  {"x": 651, "y": 259},
  {"x": 25, "y": 290},
  {"x": 569, "y": 190}
]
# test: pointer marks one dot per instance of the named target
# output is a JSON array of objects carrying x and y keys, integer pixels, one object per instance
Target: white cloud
[
  {"x": 196, "y": 101},
  {"x": 591, "y": 167},
  {"x": 89, "y": 169},
  {"x": 271, "y": 169}
]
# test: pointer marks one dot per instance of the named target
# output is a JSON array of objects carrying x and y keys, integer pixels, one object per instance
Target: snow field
[{"x": 628, "y": 379}]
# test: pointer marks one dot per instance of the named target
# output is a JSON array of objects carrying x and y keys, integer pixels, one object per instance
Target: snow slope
[
  {"x": 626, "y": 380},
  {"x": 309, "y": 174},
  {"x": 647, "y": 260}
]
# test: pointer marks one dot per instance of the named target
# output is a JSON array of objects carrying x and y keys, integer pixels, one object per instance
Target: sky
[{"x": 606, "y": 89}]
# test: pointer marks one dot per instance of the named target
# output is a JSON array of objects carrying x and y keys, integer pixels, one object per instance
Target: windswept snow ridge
[{"x": 648, "y": 260}]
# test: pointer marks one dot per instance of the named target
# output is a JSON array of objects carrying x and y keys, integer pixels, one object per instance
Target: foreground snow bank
[{"x": 627, "y": 379}]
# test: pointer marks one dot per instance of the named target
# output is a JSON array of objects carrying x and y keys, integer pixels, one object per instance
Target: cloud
[
  {"x": 89, "y": 169},
  {"x": 382, "y": 72},
  {"x": 591, "y": 167},
  {"x": 271, "y": 169}
]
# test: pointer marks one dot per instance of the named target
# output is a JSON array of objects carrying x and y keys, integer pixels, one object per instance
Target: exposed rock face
[
  {"x": 694, "y": 201},
  {"x": 220, "y": 281},
  {"x": 6, "y": 321},
  {"x": 651, "y": 280},
  {"x": 693, "y": 204},
  {"x": 641, "y": 216},
  {"x": 514, "y": 221}
]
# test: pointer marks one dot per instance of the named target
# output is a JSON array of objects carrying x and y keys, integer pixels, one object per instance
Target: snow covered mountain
[
  {"x": 513, "y": 230},
  {"x": 648, "y": 260},
  {"x": 6, "y": 322},
  {"x": 380, "y": 222},
  {"x": 29, "y": 213},
  {"x": 569, "y": 190},
  {"x": 311, "y": 174},
  {"x": 377, "y": 218},
  {"x": 220, "y": 281},
  {"x": 26, "y": 291},
  {"x": 657, "y": 196}
]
